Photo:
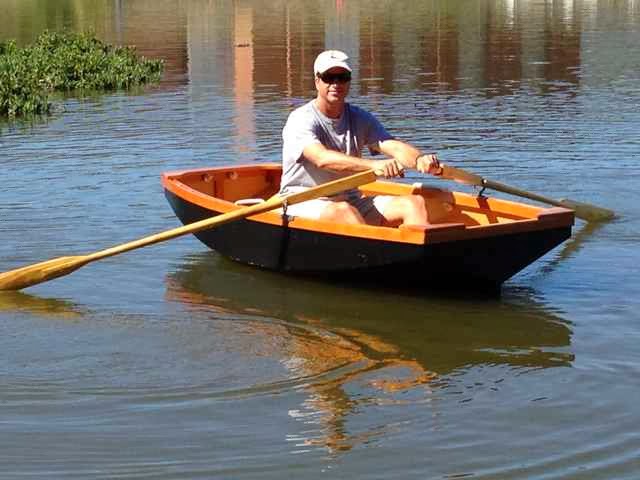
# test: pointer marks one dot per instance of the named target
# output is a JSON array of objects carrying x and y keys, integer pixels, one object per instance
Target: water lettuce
[{"x": 66, "y": 62}]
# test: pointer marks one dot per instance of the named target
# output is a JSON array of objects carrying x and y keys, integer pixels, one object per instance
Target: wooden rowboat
[{"x": 473, "y": 241}]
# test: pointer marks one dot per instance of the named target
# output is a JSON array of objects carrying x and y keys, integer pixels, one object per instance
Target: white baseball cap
[{"x": 330, "y": 59}]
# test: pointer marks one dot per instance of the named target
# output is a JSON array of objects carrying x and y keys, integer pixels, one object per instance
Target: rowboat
[{"x": 472, "y": 241}]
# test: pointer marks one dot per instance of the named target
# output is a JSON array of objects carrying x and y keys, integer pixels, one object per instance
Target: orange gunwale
[{"x": 453, "y": 215}]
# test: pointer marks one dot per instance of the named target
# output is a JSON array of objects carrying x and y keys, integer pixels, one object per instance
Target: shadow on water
[{"x": 393, "y": 346}]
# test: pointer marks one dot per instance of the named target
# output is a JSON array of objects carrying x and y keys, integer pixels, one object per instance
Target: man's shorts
[{"x": 371, "y": 208}]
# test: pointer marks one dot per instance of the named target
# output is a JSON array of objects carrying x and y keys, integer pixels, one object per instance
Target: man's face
[{"x": 333, "y": 85}]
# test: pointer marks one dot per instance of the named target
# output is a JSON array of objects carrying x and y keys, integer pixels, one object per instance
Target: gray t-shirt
[{"x": 354, "y": 130}]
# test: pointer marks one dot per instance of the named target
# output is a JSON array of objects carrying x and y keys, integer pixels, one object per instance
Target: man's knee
[
  {"x": 411, "y": 203},
  {"x": 414, "y": 202},
  {"x": 407, "y": 209}
]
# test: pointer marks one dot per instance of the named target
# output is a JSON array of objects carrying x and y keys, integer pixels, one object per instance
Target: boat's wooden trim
[
  {"x": 454, "y": 215},
  {"x": 556, "y": 215}
]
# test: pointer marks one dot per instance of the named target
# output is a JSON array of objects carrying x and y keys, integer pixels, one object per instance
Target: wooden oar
[
  {"x": 587, "y": 212},
  {"x": 57, "y": 267}
]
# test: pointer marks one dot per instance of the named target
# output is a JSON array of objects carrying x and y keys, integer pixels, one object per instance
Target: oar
[
  {"x": 57, "y": 267},
  {"x": 587, "y": 212}
]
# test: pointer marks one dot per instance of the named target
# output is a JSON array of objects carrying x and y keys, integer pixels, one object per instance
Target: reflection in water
[
  {"x": 48, "y": 307},
  {"x": 441, "y": 44},
  {"x": 164, "y": 34},
  {"x": 572, "y": 246},
  {"x": 166, "y": 382},
  {"x": 243, "y": 67},
  {"x": 270, "y": 46},
  {"x": 320, "y": 360},
  {"x": 392, "y": 347},
  {"x": 503, "y": 65}
]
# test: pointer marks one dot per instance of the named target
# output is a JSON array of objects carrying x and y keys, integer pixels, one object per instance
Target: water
[{"x": 171, "y": 362}]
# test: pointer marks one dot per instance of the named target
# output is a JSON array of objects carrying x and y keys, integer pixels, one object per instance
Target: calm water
[{"x": 171, "y": 362}]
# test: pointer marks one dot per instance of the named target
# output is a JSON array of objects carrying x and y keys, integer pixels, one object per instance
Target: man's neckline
[{"x": 328, "y": 118}]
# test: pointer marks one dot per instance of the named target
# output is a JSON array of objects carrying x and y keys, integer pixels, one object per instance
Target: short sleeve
[{"x": 298, "y": 133}]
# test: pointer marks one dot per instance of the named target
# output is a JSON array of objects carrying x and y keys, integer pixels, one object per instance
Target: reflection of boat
[
  {"x": 471, "y": 241},
  {"x": 442, "y": 334},
  {"x": 388, "y": 346}
]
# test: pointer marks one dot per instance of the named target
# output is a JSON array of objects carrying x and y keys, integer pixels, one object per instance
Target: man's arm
[
  {"x": 410, "y": 157},
  {"x": 322, "y": 157}
]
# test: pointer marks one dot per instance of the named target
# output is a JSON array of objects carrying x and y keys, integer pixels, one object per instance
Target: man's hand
[
  {"x": 428, "y": 163},
  {"x": 388, "y": 168}
]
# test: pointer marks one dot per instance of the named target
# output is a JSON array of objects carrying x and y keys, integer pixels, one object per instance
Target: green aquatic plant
[{"x": 66, "y": 62}]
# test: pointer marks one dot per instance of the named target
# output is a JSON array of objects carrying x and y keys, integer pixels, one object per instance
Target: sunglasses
[{"x": 330, "y": 78}]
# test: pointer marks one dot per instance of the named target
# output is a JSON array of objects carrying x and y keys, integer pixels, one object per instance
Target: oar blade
[
  {"x": 40, "y": 272},
  {"x": 587, "y": 212}
]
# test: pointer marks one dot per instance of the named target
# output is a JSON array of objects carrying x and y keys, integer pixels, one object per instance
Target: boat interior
[{"x": 225, "y": 188}]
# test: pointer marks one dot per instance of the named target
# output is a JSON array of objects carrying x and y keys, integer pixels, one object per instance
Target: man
[{"x": 323, "y": 141}]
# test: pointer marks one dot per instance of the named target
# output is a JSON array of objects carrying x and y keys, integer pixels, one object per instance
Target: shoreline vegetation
[{"x": 66, "y": 62}]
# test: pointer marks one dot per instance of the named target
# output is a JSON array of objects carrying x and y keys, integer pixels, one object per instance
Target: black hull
[{"x": 480, "y": 264}]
